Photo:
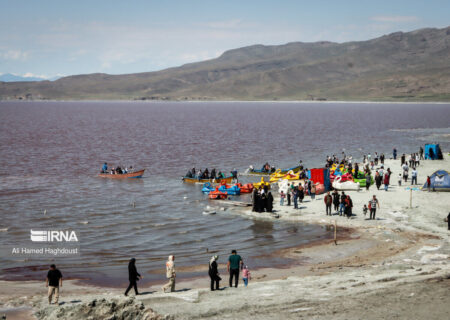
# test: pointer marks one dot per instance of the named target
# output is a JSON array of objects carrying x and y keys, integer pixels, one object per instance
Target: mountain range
[{"x": 411, "y": 66}]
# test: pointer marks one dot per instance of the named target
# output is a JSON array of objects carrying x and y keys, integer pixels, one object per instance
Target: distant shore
[{"x": 240, "y": 101}]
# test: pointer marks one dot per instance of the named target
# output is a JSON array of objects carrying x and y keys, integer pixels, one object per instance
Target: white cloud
[
  {"x": 395, "y": 19},
  {"x": 32, "y": 75},
  {"x": 14, "y": 55}
]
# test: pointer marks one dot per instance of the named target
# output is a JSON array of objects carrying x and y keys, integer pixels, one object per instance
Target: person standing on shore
[
  {"x": 288, "y": 195},
  {"x": 269, "y": 202},
  {"x": 336, "y": 200},
  {"x": 295, "y": 197},
  {"x": 282, "y": 196},
  {"x": 342, "y": 203},
  {"x": 413, "y": 176},
  {"x": 328, "y": 199},
  {"x": 405, "y": 172},
  {"x": 368, "y": 181},
  {"x": 53, "y": 282},
  {"x": 348, "y": 207},
  {"x": 400, "y": 178},
  {"x": 386, "y": 181},
  {"x": 421, "y": 153},
  {"x": 170, "y": 274},
  {"x": 378, "y": 179},
  {"x": 246, "y": 275},
  {"x": 214, "y": 273},
  {"x": 373, "y": 207},
  {"x": 235, "y": 263},
  {"x": 429, "y": 183},
  {"x": 394, "y": 153},
  {"x": 403, "y": 159},
  {"x": 301, "y": 192},
  {"x": 133, "y": 276},
  {"x": 312, "y": 192}
]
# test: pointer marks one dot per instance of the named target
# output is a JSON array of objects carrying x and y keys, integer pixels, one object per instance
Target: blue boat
[
  {"x": 207, "y": 188},
  {"x": 234, "y": 190}
]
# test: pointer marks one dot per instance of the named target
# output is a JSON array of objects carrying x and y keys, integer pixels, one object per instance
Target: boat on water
[
  {"x": 262, "y": 184},
  {"x": 230, "y": 190},
  {"x": 217, "y": 195},
  {"x": 136, "y": 174},
  {"x": 246, "y": 188},
  {"x": 203, "y": 181},
  {"x": 262, "y": 172}
]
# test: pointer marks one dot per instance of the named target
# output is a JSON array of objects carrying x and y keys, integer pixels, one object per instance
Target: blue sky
[{"x": 50, "y": 38}]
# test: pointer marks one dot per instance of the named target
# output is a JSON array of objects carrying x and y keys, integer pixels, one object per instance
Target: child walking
[
  {"x": 282, "y": 196},
  {"x": 246, "y": 275},
  {"x": 365, "y": 209}
]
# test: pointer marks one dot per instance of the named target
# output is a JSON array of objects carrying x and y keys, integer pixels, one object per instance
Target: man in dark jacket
[
  {"x": 328, "y": 199},
  {"x": 53, "y": 282}
]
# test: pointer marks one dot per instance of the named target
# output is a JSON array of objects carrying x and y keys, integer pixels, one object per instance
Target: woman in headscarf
[
  {"x": 170, "y": 274},
  {"x": 214, "y": 273},
  {"x": 269, "y": 200},
  {"x": 133, "y": 276}
]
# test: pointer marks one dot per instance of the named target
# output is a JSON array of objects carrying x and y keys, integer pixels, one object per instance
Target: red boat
[
  {"x": 136, "y": 174},
  {"x": 217, "y": 195},
  {"x": 246, "y": 188}
]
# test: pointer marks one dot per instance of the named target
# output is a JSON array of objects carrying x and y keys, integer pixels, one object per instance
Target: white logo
[{"x": 51, "y": 236}]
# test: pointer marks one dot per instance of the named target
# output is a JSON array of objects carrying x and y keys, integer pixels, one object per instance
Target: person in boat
[
  {"x": 119, "y": 170},
  {"x": 213, "y": 174},
  {"x": 193, "y": 172},
  {"x": 189, "y": 174},
  {"x": 113, "y": 171},
  {"x": 206, "y": 174},
  {"x": 220, "y": 175},
  {"x": 125, "y": 170},
  {"x": 199, "y": 174},
  {"x": 234, "y": 174},
  {"x": 105, "y": 168}
]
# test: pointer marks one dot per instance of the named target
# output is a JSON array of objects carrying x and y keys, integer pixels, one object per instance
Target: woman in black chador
[
  {"x": 269, "y": 200},
  {"x": 133, "y": 276},
  {"x": 254, "y": 196},
  {"x": 214, "y": 273}
]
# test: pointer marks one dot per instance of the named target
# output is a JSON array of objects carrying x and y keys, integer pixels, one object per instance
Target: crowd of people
[
  {"x": 117, "y": 170},
  {"x": 262, "y": 199},
  {"x": 206, "y": 174}
]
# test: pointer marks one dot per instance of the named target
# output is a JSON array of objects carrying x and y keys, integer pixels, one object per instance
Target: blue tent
[
  {"x": 440, "y": 181},
  {"x": 432, "y": 151}
]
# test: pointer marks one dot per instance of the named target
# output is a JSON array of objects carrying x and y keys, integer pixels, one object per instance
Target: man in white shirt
[{"x": 413, "y": 176}]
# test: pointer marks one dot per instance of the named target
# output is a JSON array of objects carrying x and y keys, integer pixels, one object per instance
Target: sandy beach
[{"x": 396, "y": 266}]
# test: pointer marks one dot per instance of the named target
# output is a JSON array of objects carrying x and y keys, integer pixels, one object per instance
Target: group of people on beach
[
  {"x": 234, "y": 266},
  {"x": 297, "y": 193},
  {"x": 117, "y": 170},
  {"x": 262, "y": 199},
  {"x": 343, "y": 203}
]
